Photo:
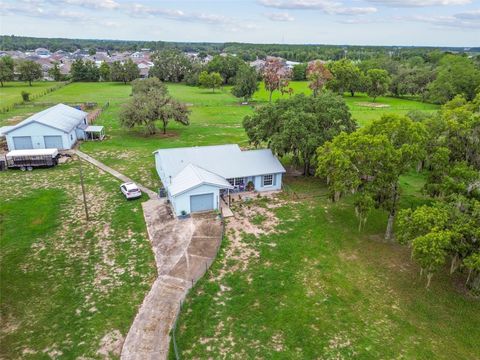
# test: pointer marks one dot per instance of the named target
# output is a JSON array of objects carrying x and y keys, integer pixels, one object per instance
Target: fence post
[{"x": 175, "y": 349}]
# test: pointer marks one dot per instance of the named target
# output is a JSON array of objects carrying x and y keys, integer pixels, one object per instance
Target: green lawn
[
  {"x": 319, "y": 289},
  {"x": 362, "y": 114},
  {"x": 215, "y": 119},
  {"x": 66, "y": 284},
  {"x": 11, "y": 92}
]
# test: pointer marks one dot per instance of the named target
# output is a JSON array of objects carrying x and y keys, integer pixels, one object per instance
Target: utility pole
[{"x": 83, "y": 189}]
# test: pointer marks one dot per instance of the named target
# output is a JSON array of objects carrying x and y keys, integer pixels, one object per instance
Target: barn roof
[{"x": 60, "y": 116}]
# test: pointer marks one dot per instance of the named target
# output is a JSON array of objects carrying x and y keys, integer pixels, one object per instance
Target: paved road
[
  {"x": 151, "y": 194},
  {"x": 183, "y": 249}
]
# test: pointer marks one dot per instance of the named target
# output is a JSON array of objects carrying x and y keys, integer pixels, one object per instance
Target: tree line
[
  {"x": 319, "y": 134},
  {"x": 432, "y": 76},
  {"x": 247, "y": 52},
  {"x": 436, "y": 77}
]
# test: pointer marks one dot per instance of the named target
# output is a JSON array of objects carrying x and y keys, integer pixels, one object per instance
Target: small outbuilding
[
  {"x": 58, "y": 127},
  {"x": 195, "y": 178}
]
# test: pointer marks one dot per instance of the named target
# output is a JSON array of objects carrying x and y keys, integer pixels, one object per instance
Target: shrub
[{"x": 25, "y": 96}]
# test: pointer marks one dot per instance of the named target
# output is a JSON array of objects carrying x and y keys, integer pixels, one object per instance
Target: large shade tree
[
  {"x": 275, "y": 77},
  {"x": 299, "y": 125},
  {"x": 369, "y": 162},
  {"x": 317, "y": 75},
  {"x": 29, "y": 71},
  {"x": 152, "y": 103},
  {"x": 124, "y": 71},
  {"x": 346, "y": 76},
  {"x": 84, "y": 71},
  {"x": 7, "y": 67},
  {"x": 246, "y": 83},
  {"x": 456, "y": 75},
  {"x": 227, "y": 66},
  {"x": 448, "y": 229},
  {"x": 210, "y": 80},
  {"x": 170, "y": 65},
  {"x": 377, "y": 82}
]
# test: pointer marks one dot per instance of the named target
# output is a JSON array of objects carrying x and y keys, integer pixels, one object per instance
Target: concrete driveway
[{"x": 183, "y": 249}]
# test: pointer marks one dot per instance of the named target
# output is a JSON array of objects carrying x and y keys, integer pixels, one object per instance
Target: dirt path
[
  {"x": 183, "y": 249},
  {"x": 151, "y": 194}
]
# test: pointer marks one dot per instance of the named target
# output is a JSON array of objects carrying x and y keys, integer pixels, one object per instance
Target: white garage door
[
  {"x": 22, "y": 142},
  {"x": 53, "y": 142},
  {"x": 202, "y": 202}
]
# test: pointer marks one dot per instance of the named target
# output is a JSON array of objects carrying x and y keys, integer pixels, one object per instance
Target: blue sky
[{"x": 353, "y": 22}]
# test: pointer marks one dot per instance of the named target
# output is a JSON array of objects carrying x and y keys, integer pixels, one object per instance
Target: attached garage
[
  {"x": 203, "y": 202},
  {"x": 22, "y": 142},
  {"x": 195, "y": 190},
  {"x": 53, "y": 142}
]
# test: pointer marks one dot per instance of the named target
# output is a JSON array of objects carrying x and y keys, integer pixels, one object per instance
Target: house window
[
  {"x": 71, "y": 137},
  {"x": 236, "y": 181},
  {"x": 239, "y": 181},
  {"x": 268, "y": 180}
]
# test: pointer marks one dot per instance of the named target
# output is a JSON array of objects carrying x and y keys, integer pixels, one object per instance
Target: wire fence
[
  {"x": 207, "y": 265},
  {"x": 97, "y": 112},
  {"x": 9, "y": 107}
]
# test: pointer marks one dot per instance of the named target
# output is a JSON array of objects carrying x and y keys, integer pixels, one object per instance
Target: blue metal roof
[
  {"x": 227, "y": 161},
  {"x": 60, "y": 116}
]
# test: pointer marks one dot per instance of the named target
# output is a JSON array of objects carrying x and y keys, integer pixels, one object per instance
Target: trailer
[{"x": 29, "y": 159}]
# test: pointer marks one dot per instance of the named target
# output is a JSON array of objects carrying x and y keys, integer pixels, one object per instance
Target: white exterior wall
[
  {"x": 182, "y": 201},
  {"x": 70, "y": 139},
  {"x": 36, "y": 131},
  {"x": 277, "y": 183}
]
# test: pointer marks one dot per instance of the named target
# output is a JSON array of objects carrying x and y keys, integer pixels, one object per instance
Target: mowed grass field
[
  {"x": 11, "y": 92},
  {"x": 69, "y": 288},
  {"x": 360, "y": 112},
  {"x": 216, "y": 118},
  {"x": 318, "y": 288}
]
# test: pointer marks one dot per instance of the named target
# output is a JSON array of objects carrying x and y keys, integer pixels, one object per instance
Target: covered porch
[{"x": 94, "y": 132}]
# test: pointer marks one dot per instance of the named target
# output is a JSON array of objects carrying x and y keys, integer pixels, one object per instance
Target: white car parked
[{"x": 130, "y": 190}]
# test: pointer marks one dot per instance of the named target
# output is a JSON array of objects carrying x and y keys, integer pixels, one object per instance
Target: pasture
[
  {"x": 11, "y": 92},
  {"x": 216, "y": 118},
  {"x": 69, "y": 288},
  {"x": 312, "y": 286}
]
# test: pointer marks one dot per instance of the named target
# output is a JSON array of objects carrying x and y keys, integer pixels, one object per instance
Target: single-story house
[
  {"x": 196, "y": 177},
  {"x": 59, "y": 127}
]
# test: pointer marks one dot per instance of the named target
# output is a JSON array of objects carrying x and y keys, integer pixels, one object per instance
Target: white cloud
[
  {"x": 352, "y": 10},
  {"x": 90, "y": 4},
  {"x": 280, "y": 16},
  {"x": 460, "y": 21},
  {"x": 36, "y": 9},
  {"x": 327, "y": 6},
  {"x": 469, "y": 15},
  {"x": 420, "y": 3},
  {"x": 58, "y": 9},
  {"x": 227, "y": 23},
  {"x": 298, "y": 4}
]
